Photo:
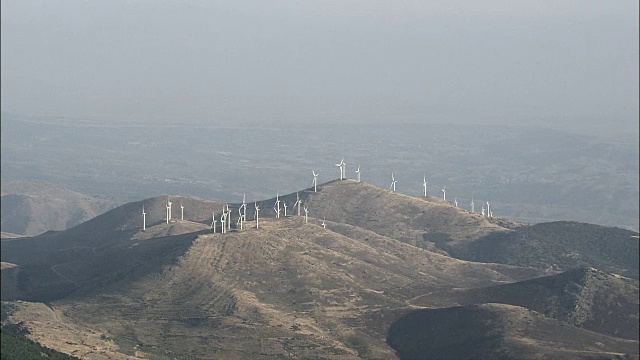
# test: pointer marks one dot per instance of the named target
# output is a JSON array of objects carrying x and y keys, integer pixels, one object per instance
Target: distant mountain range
[
  {"x": 31, "y": 208},
  {"x": 387, "y": 276}
]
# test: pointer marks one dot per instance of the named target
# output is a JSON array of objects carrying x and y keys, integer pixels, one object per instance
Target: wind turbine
[
  {"x": 181, "y": 212},
  {"x": 276, "y": 206},
  {"x": 244, "y": 208},
  {"x": 488, "y": 209},
  {"x": 298, "y": 202},
  {"x": 306, "y": 213},
  {"x": 424, "y": 185},
  {"x": 257, "y": 215},
  {"x": 472, "y": 205},
  {"x": 223, "y": 222},
  {"x": 228, "y": 218},
  {"x": 168, "y": 208},
  {"x": 213, "y": 221},
  {"x": 358, "y": 173},
  {"x": 169, "y": 205},
  {"x": 285, "y": 208},
  {"x": 455, "y": 201},
  {"x": 393, "y": 183},
  {"x": 242, "y": 212},
  {"x": 341, "y": 168},
  {"x": 323, "y": 224},
  {"x": 144, "y": 219},
  {"x": 315, "y": 181},
  {"x": 482, "y": 210},
  {"x": 444, "y": 193}
]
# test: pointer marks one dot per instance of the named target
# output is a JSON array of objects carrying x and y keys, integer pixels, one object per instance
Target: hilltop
[{"x": 433, "y": 224}]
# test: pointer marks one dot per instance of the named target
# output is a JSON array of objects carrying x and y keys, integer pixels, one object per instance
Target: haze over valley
[
  {"x": 319, "y": 180},
  {"x": 529, "y": 174}
]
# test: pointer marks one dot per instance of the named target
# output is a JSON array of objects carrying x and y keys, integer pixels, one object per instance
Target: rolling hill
[
  {"x": 585, "y": 297},
  {"x": 31, "y": 208},
  {"x": 292, "y": 288},
  {"x": 498, "y": 331},
  {"x": 559, "y": 246}
]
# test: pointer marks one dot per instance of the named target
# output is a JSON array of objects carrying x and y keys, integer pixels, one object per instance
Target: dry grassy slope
[
  {"x": 586, "y": 298},
  {"x": 288, "y": 287},
  {"x": 498, "y": 331},
  {"x": 31, "y": 208},
  {"x": 48, "y": 325},
  {"x": 408, "y": 219}
]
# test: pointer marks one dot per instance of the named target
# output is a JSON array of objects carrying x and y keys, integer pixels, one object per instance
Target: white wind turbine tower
[
  {"x": 298, "y": 202},
  {"x": 358, "y": 173},
  {"x": 341, "y": 168},
  {"x": 144, "y": 219},
  {"x": 344, "y": 169},
  {"x": 488, "y": 209},
  {"x": 323, "y": 224},
  {"x": 169, "y": 205},
  {"x": 306, "y": 213},
  {"x": 285, "y": 208},
  {"x": 276, "y": 206},
  {"x": 228, "y": 217},
  {"x": 223, "y": 222},
  {"x": 257, "y": 215},
  {"x": 244, "y": 207},
  {"x": 444, "y": 193},
  {"x": 482, "y": 210},
  {"x": 472, "y": 205},
  {"x": 315, "y": 181},
  {"x": 455, "y": 201},
  {"x": 213, "y": 221},
  {"x": 242, "y": 210},
  {"x": 393, "y": 183},
  {"x": 424, "y": 185},
  {"x": 181, "y": 212}
]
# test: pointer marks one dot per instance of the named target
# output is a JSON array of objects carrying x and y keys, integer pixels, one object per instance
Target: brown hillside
[
  {"x": 408, "y": 219},
  {"x": 288, "y": 287}
]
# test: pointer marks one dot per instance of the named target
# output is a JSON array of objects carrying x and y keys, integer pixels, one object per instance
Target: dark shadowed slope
[
  {"x": 585, "y": 298},
  {"x": 498, "y": 331},
  {"x": 557, "y": 245},
  {"x": 54, "y": 264}
]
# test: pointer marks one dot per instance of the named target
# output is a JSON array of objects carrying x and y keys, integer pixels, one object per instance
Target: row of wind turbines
[
  {"x": 342, "y": 167},
  {"x": 226, "y": 214}
]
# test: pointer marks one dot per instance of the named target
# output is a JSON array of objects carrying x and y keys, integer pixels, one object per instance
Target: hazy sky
[{"x": 534, "y": 62}]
